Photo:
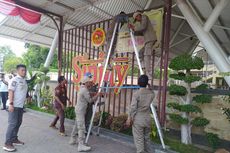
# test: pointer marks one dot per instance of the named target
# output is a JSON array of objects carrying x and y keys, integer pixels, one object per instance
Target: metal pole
[
  {"x": 215, "y": 14},
  {"x": 213, "y": 48},
  {"x": 161, "y": 65},
  {"x": 166, "y": 57},
  {"x": 157, "y": 124},
  {"x": 60, "y": 40},
  {"x": 136, "y": 52},
  {"x": 101, "y": 83},
  {"x": 51, "y": 51}
]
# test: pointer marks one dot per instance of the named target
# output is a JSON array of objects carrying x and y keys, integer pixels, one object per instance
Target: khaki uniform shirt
[
  {"x": 140, "y": 106},
  {"x": 146, "y": 29},
  {"x": 83, "y": 98}
]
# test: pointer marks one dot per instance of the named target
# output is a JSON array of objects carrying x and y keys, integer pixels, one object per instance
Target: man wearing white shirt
[
  {"x": 3, "y": 90},
  {"x": 17, "y": 96}
]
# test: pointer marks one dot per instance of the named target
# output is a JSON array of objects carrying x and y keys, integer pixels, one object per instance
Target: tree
[
  {"x": 187, "y": 105},
  {"x": 11, "y": 63},
  {"x": 36, "y": 55},
  {"x": 41, "y": 85},
  {"x": 6, "y": 52}
]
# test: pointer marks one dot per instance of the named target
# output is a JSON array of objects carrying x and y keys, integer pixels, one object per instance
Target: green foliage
[
  {"x": 106, "y": 119},
  {"x": 200, "y": 122},
  {"x": 186, "y": 62},
  {"x": 178, "y": 76},
  {"x": 43, "y": 69},
  {"x": 157, "y": 73},
  {"x": 36, "y": 108},
  {"x": 118, "y": 123},
  {"x": 70, "y": 113},
  {"x": 178, "y": 119},
  {"x": 189, "y": 108},
  {"x": 187, "y": 79},
  {"x": 175, "y": 145},
  {"x": 213, "y": 140},
  {"x": 153, "y": 133},
  {"x": 47, "y": 97},
  {"x": 6, "y": 52},
  {"x": 11, "y": 63},
  {"x": 135, "y": 71},
  {"x": 177, "y": 90},
  {"x": 31, "y": 85},
  {"x": 191, "y": 78},
  {"x": 175, "y": 106},
  {"x": 41, "y": 77},
  {"x": 202, "y": 99},
  {"x": 202, "y": 87},
  {"x": 36, "y": 56}
]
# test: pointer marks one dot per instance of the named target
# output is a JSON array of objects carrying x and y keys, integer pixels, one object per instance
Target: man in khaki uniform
[
  {"x": 139, "y": 116},
  {"x": 83, "y": 99},
  {"x": 150, "y": 38}
]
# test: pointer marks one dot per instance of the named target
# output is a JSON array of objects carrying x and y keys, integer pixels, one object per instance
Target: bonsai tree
[{"x": 187, "y": 106}]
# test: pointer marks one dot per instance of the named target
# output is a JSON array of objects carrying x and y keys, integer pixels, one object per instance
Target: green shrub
[
  {"x": 178, "y": 76},
  {"x": 178, "y": 119},
  {"x": 177, "y": 90},
  {"x": 70, "y": 113},
  {"x": 118, "y": 123},
  {"x": 200, "y": 122},
  {"x": 189, "y": 108},
  {"x": 182, "y": 76},
  {"x": 186, "y": 62},
  {"x": 106, "y": 119},
  {"x": 47, "y": 97},
  {"x": 213, "y": 140},
  {"x": 202, "y": 99},
  {"x": 191, "y": 78},
  {"x": 202, "y": 87},
  {"x": 153, "y": 133},
  {"x": 174, "y": 105}
]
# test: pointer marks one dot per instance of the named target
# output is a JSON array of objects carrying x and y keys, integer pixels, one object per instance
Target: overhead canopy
[{"x": 83, "y": 12}]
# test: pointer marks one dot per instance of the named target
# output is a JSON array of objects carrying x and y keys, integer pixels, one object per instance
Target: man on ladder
[{"x": 146, "y": 29}]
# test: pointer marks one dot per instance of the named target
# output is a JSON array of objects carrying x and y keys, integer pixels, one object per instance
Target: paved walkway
[{"x": 39, "y": 138}]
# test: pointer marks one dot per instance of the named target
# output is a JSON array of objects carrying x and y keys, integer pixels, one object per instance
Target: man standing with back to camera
[{"x": 17, "y": 96}]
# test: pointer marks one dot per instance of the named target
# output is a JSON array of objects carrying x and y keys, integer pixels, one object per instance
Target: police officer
[
  {"x": 139, "y": 116},
  {"x": 145, "y": 28},
  {"x": 17, "y": 96},
  {"x": 83, "y": 99}
]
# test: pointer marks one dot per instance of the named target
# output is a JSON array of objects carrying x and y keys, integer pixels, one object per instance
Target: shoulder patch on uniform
[{"x": 14, "y": 83}]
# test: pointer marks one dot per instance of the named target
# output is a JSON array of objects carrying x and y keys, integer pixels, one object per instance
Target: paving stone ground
[{"x": 39, "y": 138}]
